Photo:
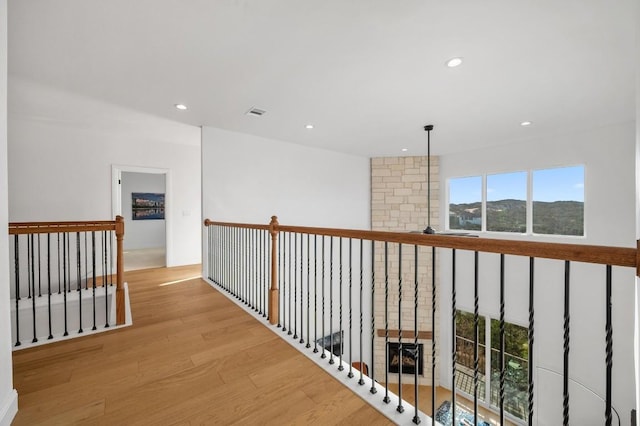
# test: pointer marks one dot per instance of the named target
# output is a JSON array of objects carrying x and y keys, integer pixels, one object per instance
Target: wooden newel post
[
  {"x": 120, "y": 308},
  {"x": 273, "y": 291}
]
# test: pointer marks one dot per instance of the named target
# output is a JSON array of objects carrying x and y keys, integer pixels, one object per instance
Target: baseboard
[{"x": 9, "y": 408}]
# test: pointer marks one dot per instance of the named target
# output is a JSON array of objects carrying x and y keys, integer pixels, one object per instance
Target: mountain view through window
[{"x": 557, "y": 202}]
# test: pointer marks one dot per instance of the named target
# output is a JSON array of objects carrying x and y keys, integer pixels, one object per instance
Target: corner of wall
[
  {"x": 637, "y": 289},
  {"x": 9, "y": 408},
  {"x": 8, "y": 395}
]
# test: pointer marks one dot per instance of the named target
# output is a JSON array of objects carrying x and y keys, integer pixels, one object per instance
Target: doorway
[{"x": 141, "y": 197}]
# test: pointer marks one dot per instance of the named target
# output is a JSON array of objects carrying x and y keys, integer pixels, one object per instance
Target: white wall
[
  {"x": 8, "y": 396},
  {"x": 247, "y": 179},
  {"x": 62, "y": 147},
  {"x": 142, "y": 233},
  {"x": 637, "y": 287},
  {"x": 608, "y": 154}
]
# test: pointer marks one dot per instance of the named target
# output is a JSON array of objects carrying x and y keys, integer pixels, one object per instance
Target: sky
[
  {"x": 562, "y": 184},
  {"x": 465, "y": 190},
  {"x": 559, "y": 184},
  {"x": 507, "y": 186}
]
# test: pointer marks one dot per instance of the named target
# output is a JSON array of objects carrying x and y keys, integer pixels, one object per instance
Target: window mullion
[
  {"x": 487, "y": 362},
  {"x": 483, "y": 226},
  {"x": 529, "y": 202}
]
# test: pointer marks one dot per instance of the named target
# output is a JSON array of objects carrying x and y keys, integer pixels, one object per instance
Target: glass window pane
[
  {"x": 507, "y": 202},
  {"x": 465, "y": 203},
  {"x": 465, "y": 360},
  {"x": 516, "y": 364},
  {"x": 558, "y": 201}
]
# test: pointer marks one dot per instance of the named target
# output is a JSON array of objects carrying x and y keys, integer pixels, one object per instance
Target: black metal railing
[
  {"x": 64, "y": 276},
  {"x": 320, "y": 279},
  {"x": 238, "y": 259},
  {"x": 514, "y": 394}
]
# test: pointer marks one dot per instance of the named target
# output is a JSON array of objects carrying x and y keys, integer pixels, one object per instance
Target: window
[
  {"x": 464, "y": 353},
  {"x": 507, "y": 202},
  {"x": 465, "y": 203},
  {"x": 516, "y": 362},
  {"x": 516, "y": 365},
  {"x": 547, "y": 201},
  {"x": 558, "y": 201}
]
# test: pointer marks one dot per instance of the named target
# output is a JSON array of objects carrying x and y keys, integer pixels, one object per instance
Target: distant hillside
[{"x": 558, "y": 217}]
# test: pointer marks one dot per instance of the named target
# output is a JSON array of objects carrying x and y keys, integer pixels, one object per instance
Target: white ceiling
[{"x": 369, "y": 74}]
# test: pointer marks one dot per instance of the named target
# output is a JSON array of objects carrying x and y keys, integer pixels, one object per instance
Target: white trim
[
  {"x": 528, "y": 203},
  {"x": 168, "y": 205},
  {"x": 636, "y": 346},
  {"x": 483, "y": 204},
  {"x": 26, "y": 344},
  {"x": 116, "y": 191},
  {"x": 116, "y": 200},
  {"x": 204, "y": 232},
  {"x": 9, "y": 408}
]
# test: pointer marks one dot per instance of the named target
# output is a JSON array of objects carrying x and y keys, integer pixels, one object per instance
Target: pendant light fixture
[{"x": 429, "y": 230}]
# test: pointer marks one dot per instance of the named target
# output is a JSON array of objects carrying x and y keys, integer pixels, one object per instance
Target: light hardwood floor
[
  {"x": 192, "y": 357},
  {"x": 144, "y": 258}
]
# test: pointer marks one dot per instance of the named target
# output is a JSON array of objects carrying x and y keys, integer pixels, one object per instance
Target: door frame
[{"x": 116, "y": 199}]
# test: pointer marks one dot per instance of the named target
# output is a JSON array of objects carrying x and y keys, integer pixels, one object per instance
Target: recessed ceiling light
[
  {"x": 181, "y": 106},
  {"x": 309, "y": 126},
  {"x": 454, "y": 62},
  {"x": 405, "y": 149},
  {"x": 525, "y": 123}
]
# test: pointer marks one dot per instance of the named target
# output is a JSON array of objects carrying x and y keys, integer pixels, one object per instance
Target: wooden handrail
[
  {"x": 605, "y": 255},
  {"x": 208, "y": 222},
  {"x": 62, "y": 223},
  {"x": 22, "y": 228},
  {"x": 117, "y": 225}
]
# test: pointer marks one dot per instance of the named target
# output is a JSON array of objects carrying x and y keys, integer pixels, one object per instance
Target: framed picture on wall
[{"x": 147, "y": 206}]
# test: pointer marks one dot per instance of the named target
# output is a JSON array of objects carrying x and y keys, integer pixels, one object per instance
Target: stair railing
[
  {"x": 344, "y": 292},
  {"x": 59, "y": 268}
]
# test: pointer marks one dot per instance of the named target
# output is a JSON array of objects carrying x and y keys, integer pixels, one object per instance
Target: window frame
[
  {"x": 485, "y": 399},
  {"x": 527, "y": 188},
  {"x": 482, "y": 204},
  {"x": 528, "y": 203}
]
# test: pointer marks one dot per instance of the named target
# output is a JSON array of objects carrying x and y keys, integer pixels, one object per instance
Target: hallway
[{"x": 191, "y": 357}]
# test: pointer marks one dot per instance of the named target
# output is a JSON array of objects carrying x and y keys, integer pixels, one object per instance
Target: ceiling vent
[{"x": 256, "y": 112}]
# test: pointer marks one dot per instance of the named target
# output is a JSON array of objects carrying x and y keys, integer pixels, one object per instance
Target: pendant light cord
[{"x": 429, "y": 230}]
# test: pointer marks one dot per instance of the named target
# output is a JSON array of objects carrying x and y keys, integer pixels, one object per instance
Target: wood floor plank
[
  {"x": 34, "y": 379},
  {"x": 81, "y": 413},
  {"x": 40, "y": 407},
  {"x": 282, "y": 406},
  {"x": 191, "y": 357},
  {"x": 331, "y": 410}
]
